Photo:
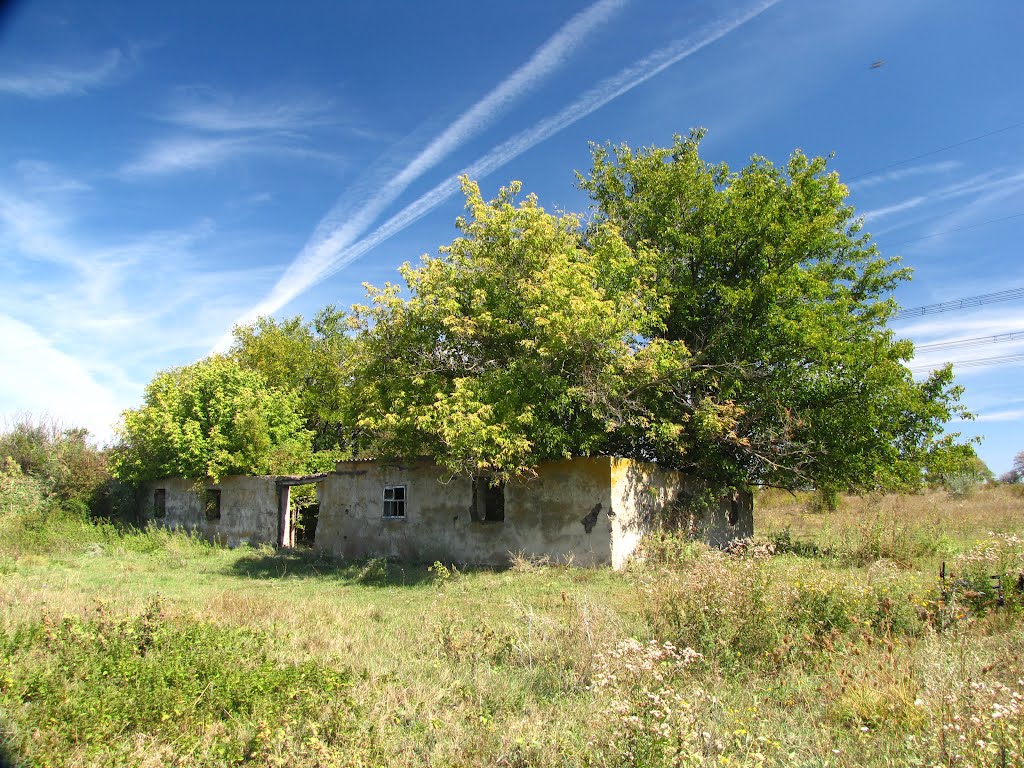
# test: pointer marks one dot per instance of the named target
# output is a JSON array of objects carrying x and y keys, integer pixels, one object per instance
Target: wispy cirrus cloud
[
  {"x": 985, "y": 188},
  {"x": 85, "y": 318},
  {"x": 957, "y": 325},
  {"x": 1010, "y": 414},
  {"x": 189, "y": 153},
  {"x": 181, "y": 154},
  {"x": 38, "y": 378},
  {"x": 979, "y": 335},
  {"x": 334, "y": 245},
  {"x": 48, "y": 81},
  {"x": 946, "y": 166},
  {"x": 878, "y": 213},
  {"x": 40, "y": 176},
  {"x": 201, "y": 109},
  {"x": 216, "y": 128}
]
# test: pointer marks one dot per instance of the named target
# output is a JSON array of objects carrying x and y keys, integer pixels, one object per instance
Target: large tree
[
  {"x": 306, "y": 358},
  {"x": 781, "y": 302},
  {"x": 210, "y": 419},
  {"x": 520, "y": 342}
]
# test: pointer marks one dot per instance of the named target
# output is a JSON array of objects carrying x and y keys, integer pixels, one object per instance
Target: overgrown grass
[
  {"x": 113, "y": 689},
  {"x": 829, "y": 641}
]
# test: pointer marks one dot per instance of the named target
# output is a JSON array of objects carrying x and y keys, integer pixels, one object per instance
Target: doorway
[{"x": 298, "y": 506}]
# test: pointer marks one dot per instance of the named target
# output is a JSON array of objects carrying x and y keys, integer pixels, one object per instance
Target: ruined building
[{"x": 588, "y": 511}]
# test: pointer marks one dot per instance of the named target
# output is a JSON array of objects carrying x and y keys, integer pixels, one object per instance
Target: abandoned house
[{"x": 589, "y": 511}]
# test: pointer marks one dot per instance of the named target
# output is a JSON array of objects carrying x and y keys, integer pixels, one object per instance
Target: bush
[
  {"x": 717, "y": 604},
  {"x": 71, "y": 470},
  {"x": 961, "y": 484},
  {"x": 20, "y": 494}
]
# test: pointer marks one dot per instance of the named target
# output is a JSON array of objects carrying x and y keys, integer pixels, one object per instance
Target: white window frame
[{"x": 397, "y": 506}]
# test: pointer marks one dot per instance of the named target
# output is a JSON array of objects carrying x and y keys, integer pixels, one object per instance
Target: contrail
[
  {"x": 594, "y": 99},
  {"x": 333, "y": 252},
  {"x": 341, "y": 227}
]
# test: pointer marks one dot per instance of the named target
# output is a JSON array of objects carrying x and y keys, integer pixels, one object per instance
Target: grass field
[{"x": 830, "y": 640}]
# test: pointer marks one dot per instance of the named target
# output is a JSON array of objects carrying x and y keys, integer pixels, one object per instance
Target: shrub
[
  {"x": 961, "y": 484},
  {"x": 71, "y": 470},
  {"x": 717, "y": 604},
  {"x": 20, "y": 495}
]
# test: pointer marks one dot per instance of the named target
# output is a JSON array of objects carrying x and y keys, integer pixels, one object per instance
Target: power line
[
  {"x": 934, "y": 151},
  {"x": 980, "y": 362},
  {"x": 956, "y": 229},
  {"x": 965, "y": 303},
  {"x": 978, "y": 341}
]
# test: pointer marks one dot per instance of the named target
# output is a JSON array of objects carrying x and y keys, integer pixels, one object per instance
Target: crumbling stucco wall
[
  {"x": 591, "y": 511},
  {"x": 640, "y": 495},
  {"x": 562, "y": 514},
  {"x": 731, "y": 519},
  {"x": 248, "y": 508},
  {"x": 647, "y": 498}
]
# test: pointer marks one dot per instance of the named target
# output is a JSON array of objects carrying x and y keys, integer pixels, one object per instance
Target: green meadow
[{"x": 830, "y": 639}]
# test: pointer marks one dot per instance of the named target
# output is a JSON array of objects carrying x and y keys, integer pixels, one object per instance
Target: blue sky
[{"x": 167, "y": 170}]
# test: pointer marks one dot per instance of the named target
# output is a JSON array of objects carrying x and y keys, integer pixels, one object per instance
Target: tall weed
[{"x": 85, "y": 690}]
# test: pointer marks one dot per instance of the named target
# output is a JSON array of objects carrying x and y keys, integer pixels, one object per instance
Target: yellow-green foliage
[
  {"x": 518, "y": 343},
  {"x": 209, "y": 419}
]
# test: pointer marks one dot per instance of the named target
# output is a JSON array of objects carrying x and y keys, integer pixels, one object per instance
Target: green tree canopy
[
  {"x": 781, "y": 302},
  {"x": 305, "y": 358},
  {"x": 210, "y": 419},
  {"x": 731, "y": 325},
  {"x": 518, "y": 343}
]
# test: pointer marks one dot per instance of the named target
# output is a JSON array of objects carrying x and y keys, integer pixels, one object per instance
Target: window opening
[
  {"x": 488, "y": 500},
  {"x": 212, "y": 504},
  {"x": 734, "y": 511},
  {"x": 394, "y": 501},
  {"x": 160, "y": 502}
]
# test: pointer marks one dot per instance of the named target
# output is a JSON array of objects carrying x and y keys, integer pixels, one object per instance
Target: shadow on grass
[
  {"x": 306, "y": 564},
  {"x": 784, "y": 543},
  {"x": 6, "y": 757}
]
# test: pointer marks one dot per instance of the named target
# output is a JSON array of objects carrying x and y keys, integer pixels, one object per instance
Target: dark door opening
[
  {"x": 298, "y": 505},
  {"x": 306, "y": 518}
]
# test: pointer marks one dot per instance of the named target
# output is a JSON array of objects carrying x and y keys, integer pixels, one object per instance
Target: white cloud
[
  {"x": 1014, "y": 414},
  {"x": 920, "y": 170},
  {"x": 877, "y": 213},
  {"x": 952, "y": 326},
  {"x": 334, "y": 243},
  {"x": 1009, "y": 187},
  {"x": 986, "y": 187},
  {"x": 119, "y": 304},
  {"x": 983, "y": 324},
  {"x": 37, "y": 378},
  {"x": 225, "y": 127},
  {"x": 185, "y": 154},
  {"x": 45, "y": 82},
  {"x": 221, "y": 113},
  {"x": 41, "y": 177}
]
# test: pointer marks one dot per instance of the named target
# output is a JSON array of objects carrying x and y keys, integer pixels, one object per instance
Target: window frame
[{"x": 399, "y": 506}]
